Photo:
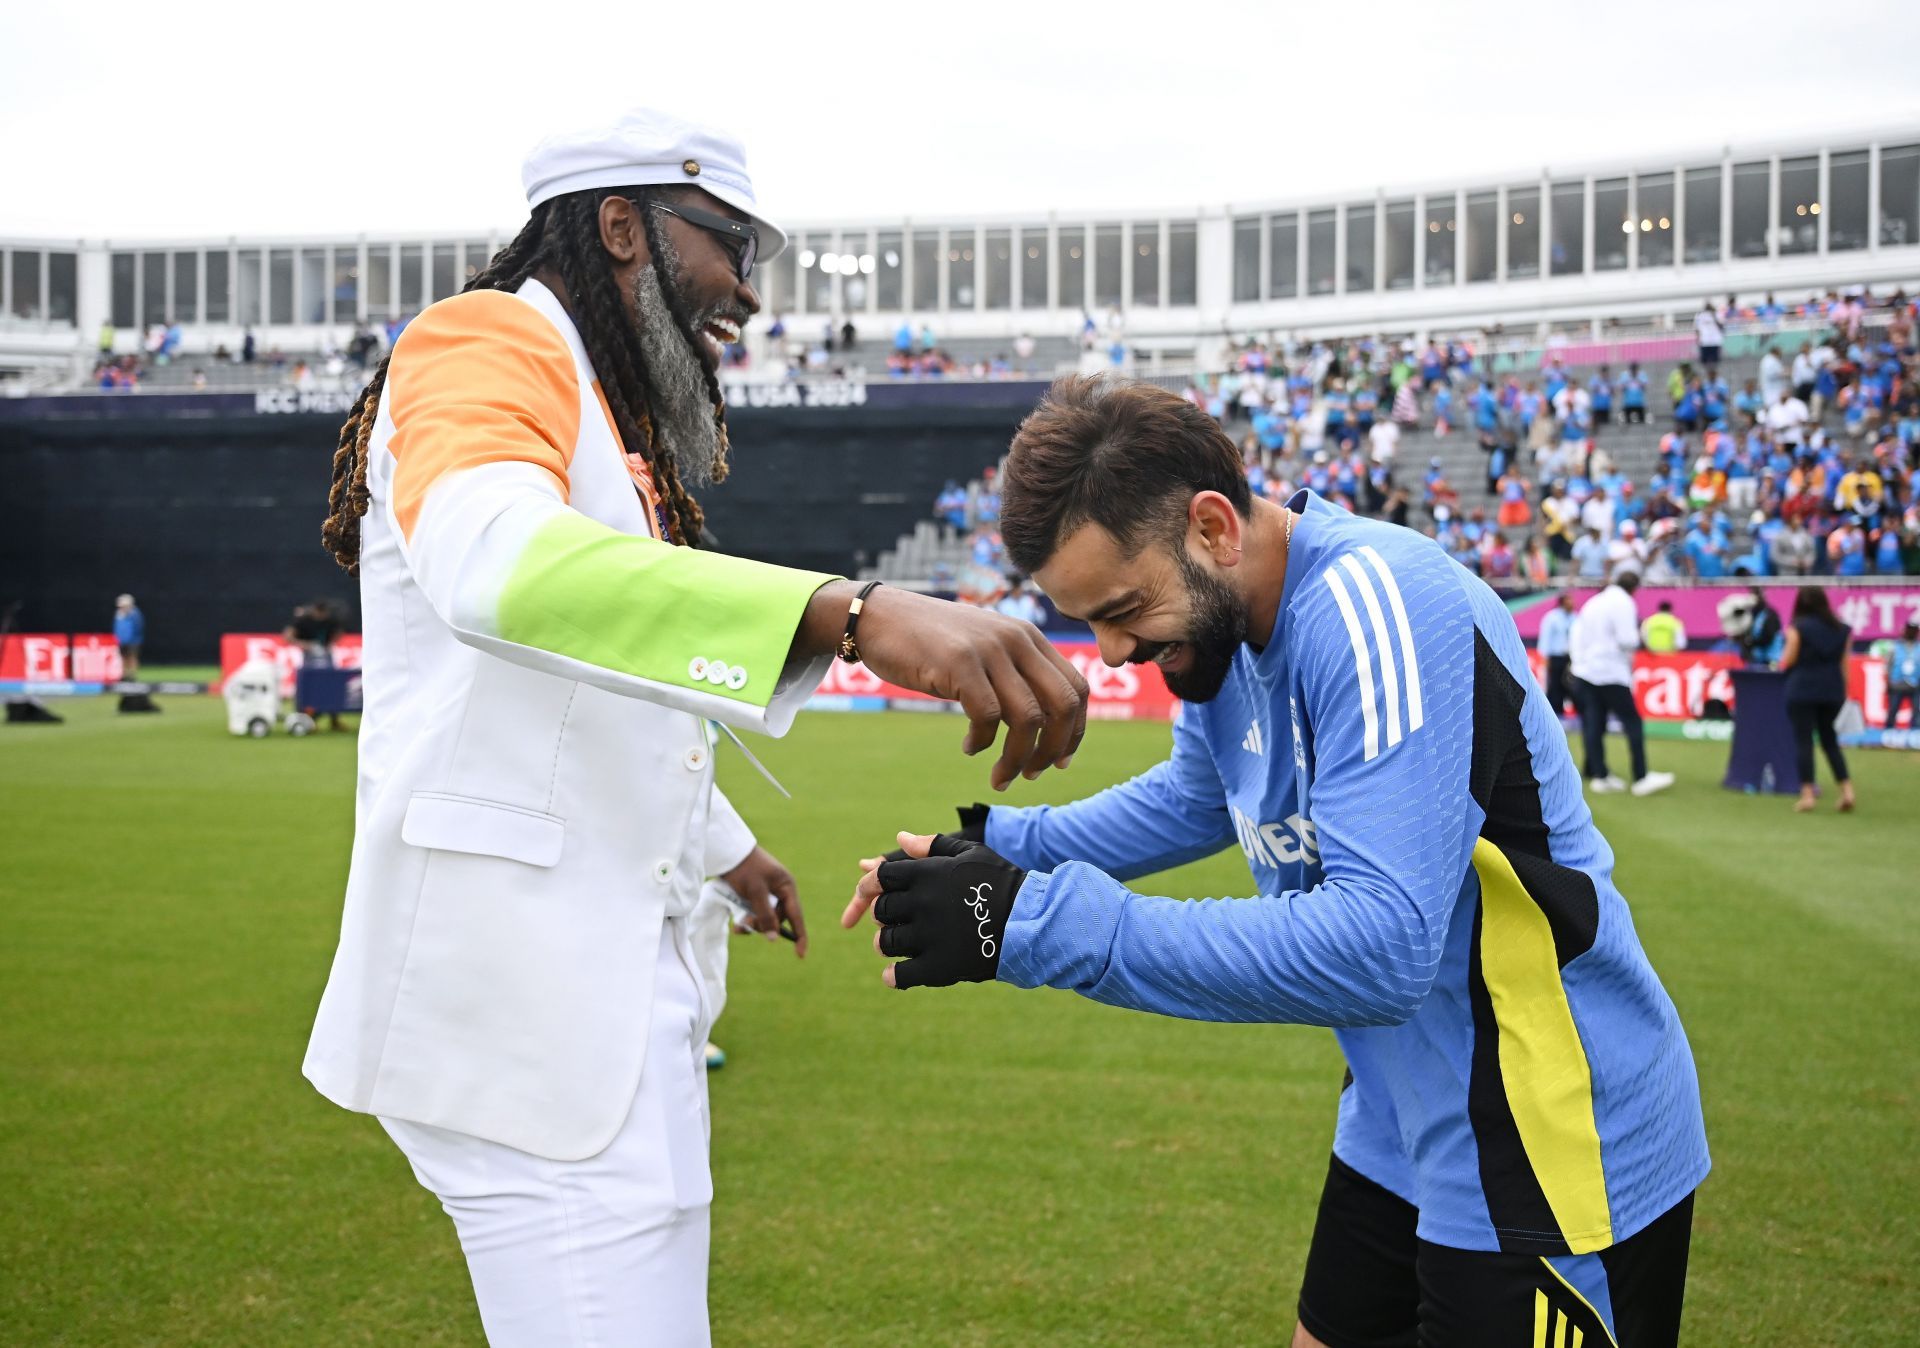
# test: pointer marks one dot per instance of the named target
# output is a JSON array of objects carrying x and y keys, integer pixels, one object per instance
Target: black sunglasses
[{"x": 745, "y": 238}]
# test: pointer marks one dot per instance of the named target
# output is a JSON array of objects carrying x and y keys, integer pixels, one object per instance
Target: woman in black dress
[{"x": 1815, "y": 660}]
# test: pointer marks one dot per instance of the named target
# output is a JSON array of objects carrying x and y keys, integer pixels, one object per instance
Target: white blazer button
[
  {"x": 697, "y": 667},
  {"x": 736, "y": 678},
  {"x": 717, "y": 672},
  {"x": 696, "y": 759},
  {"x": 663, "y": 871}
]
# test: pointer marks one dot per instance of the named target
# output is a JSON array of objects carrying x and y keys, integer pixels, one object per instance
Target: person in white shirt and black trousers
[{"x": 1605, "y": 636}]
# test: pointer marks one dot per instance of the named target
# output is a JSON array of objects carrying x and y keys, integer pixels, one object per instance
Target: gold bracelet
[{"x": 848, "y": 650}]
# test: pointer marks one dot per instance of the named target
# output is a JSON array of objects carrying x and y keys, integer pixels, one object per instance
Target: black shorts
[{"x": 1372, "y": 1283}]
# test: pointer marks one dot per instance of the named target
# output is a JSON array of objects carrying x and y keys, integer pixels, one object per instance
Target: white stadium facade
[{"x": 1563, "y": 249}]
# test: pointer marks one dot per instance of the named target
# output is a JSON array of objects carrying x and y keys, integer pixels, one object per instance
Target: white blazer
[{"x": 535, "y": 789}]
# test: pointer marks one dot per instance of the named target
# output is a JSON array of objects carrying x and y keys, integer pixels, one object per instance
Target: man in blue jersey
[{"x": 1520, "y": 1135}]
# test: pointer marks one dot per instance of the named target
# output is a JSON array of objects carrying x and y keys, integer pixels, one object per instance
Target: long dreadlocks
[{"x": 563, "y": 234}]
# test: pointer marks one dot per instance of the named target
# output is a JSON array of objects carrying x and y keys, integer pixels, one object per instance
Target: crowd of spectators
[{"x": 1805, "y": 469}]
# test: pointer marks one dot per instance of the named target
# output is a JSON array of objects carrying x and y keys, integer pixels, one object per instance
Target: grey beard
[{"x": 684, "y": 429}]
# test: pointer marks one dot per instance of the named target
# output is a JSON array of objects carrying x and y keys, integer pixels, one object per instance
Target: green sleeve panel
[{"x": 646, "y": 609}]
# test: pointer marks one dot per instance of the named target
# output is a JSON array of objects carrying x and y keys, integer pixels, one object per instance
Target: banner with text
[
  {"x": 1678, "y": 687},
  {"x": 237, "y": 648},
  {"x": 1129, "y": 693},
  {"x": 1872, "y": 611}
]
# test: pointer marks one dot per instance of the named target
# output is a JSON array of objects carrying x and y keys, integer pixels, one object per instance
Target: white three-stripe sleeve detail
[
  {"x": 1389, "y": 679},
  {"x": 1411, "y": 662},
  {"x": 1362, "y": 665}
]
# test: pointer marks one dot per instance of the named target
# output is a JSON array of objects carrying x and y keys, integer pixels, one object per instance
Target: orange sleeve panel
[{"x": 482, "y": 377}]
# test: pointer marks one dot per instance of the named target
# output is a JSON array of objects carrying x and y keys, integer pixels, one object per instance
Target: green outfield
[{"x": 974, "y": 1166}]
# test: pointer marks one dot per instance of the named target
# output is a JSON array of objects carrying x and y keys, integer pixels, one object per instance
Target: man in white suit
[{"x": 515, "y": 994}]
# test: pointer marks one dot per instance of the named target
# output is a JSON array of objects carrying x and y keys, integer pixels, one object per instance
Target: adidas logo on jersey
[
  {"x": 1398, "y": 667},
  {"x": 1252, "y": 743}
]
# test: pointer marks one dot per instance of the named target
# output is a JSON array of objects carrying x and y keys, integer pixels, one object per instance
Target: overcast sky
[{"x": 190, "y": 119}]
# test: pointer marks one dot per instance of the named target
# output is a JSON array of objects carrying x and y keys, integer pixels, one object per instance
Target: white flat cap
[{"x": 645, "y": 147}]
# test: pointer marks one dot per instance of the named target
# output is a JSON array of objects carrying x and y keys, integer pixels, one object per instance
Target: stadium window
[
  {"x": 887, "y": 269},
  {"x": 1442, "y": 229},
  {"x": 856, "y": 266},
  {"x": 25, "y": 266},
  {"x": 446, "y": 266},
  {"x": 1320, "y": 241},
  {"x": 1246, "y": 259},
  {"x": 1106, "y": 266},
  {"x": 1653, "y": 212},
  {"x": 1399, "y": 268},
  {"x": 1846, "y": 204},
  {"x": 153, "y": 289},
  {"x": 313, "y": 285},
  {"x": 1070, "y": 264},
  {"x": 1900, "y": 194},
  {"x": 773, "y": 282},
  {"x": 1283, "y": 256},
  {"x": 474, "y": 261},
  {"x": 379, "y": 282},
  {"x": 280, "y": 285},
  {"x": 1183, "y": 267},
  {"x": 1613, "y": 224},
  {"x": 926, "y": 270},
  {"x": 1360, "y": 269},
  {"x": 1483, "y": 239},
  {"x": 121, "y": 305},
  {"x": 248, "y": 288},
  {"x": 186, "y": 287},
  {"x": 219, "y": 302},
  {"x": 1523, "y": 233},
  {"x": 346, "y": 283},
  {"x": 413, "y": 278},
  {"x": 960, "y": 269},
  {"x": 1702, "y": 241},
  {"x": 1750, "y": 209},
  {"x": 1145, "y": 261},
  {"x": 63, "y": 287},
  {"x": 1798, "y": 224},
  {"x": 1031, "y": 266},
  {"x": 816, "y": 283},
  {"x": 1568, "y": 237},
  {"x": 1031, "y": 243},
  {"x": 999, "y": 277}
]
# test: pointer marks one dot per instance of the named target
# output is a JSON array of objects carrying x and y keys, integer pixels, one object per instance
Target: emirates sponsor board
[
  {"x": 1678, "y": 687},
  {"x": 1129, "y": 693},
  {"x": 237, "y": 648}
]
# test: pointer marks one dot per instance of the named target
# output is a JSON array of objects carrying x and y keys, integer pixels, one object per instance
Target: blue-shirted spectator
[
  {"x": 1903, "y": 675},
  {"x": 1600, "y": 397},
  {"x": 1590, "y": 556},
  {"x": 129, "y": 633},
  {"x": 1556, "y": 644},
  {"x": 1633, "y": 396},
  {"x": 1705, "y": 550}
]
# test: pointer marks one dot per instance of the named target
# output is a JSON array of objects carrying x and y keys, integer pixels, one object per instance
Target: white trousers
[{"x": 611, "y": 1250}]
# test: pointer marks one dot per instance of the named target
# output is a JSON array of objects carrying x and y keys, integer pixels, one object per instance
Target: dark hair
[
  {"x": 563, "y": 234},
  {"x": 1128, "y": 457},
  {"x": 1810, "y": 601}
]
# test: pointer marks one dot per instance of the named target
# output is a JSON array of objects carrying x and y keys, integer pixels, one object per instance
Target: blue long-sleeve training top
[{"x": 1431, "y": 885}]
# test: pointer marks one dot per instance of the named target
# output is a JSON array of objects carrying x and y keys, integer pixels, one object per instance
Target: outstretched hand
[
  {"x": 999, "y": 669},
  {"x": 942, "y": 909}
]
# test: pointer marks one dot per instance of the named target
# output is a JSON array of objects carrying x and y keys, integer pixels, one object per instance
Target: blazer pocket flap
[{"x": 484, "y": 827}]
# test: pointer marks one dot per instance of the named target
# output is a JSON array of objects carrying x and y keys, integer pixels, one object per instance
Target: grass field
[{"x": 976, "y": 1166}]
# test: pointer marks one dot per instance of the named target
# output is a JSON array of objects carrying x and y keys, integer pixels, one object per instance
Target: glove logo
[{"x": 981, "y": 919}]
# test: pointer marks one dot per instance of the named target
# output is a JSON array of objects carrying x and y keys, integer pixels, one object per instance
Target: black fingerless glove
[
  {"x": 945, "y": 918},
  {"x": 973, "y": 827}
]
